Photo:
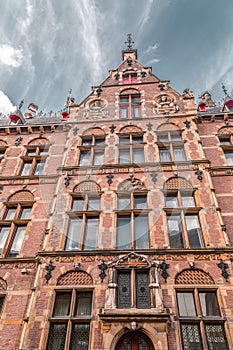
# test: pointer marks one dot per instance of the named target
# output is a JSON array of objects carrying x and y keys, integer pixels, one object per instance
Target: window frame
[
  {"x": 132, "y": 212},
  {"x": 133, "y": 272},
  {"x": 129, "y": 106},
  {"x": 170, "y": 144},
  {"x": 182, "y": 213},
  {"x": 15, "y": 223},
  {"x": 132, "y": 78},
  {"x": 84, "y": 214},
  {"x": 71, "y": 319},
  {"x": 200, "y": 319},
  {"x": 131, "y": 146},
  {"x": 92, "y": 149}
]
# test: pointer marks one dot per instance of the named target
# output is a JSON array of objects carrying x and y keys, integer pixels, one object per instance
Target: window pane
[
  {"x": 39, "y": 168},
  {"x": 171, "y": 202},
  {"x": 186, "y": 304},
  {"x": 93, "y": 203},
  {"x": 44, "y": 152},
  {"x": 140, "y": 202},
  {"x": 10, "y": 214},
  {"x": 57, "y": 336},
  {"x": 25, "y": 213},
  {"x": 73, "y": 239},
  {"x": 175, "y": 232},
  {"x": 1, "y": 303},
  {"x": 179, "y": 154},
  {"x": 162, "y": 138},
  {"x": 87, "y": 142},
  {"x": 136, "y": 112},
  {"x": 124, "y": 140},
  {"x": 124, "y": 156},
  {"x": 31, "y": 152},
  {"x": 216, "y": 338},
  {"x": 83, "y": 304},
  {"x": 3, "y": 236},
  {"x": 191, "y": 337},
  {"x": 136, "y": 99},
  {"x": 138, "y": 155},
  {"x": 141, "y": 232},
  {"x": 99, "y": 142},
  {"x": 78, "y": 204},
  {"x": 123, "y": 203},
  {"x": 176, "y": 137},
  {"x": 91, "y": 234},
  {"x": 164, "y": 155},
  {"x": 17, "y": 242},
  {"x": 123, "y": 233},
  {"x": 188, "y": 201},
  {"x": 229, "y": 158},
  {"x": 26, "y": 169},
  {"x": 84, "y": 158},
  {"x": 124, "y": 113},
  {"x": 79, "y": 336},
  {"x": 137, "y": 139},
  {"x": 142, "y": 290},
  {"x": 62, "y": 304},
  {"x": 134, "y": 78},
  {"x": 124, "y": 290},
  {"x": 194, "y": 231},
  {"x": 225, "y": 141},
  {"x": 209, "y": 305},
  {"x": 98, "y": 157}
]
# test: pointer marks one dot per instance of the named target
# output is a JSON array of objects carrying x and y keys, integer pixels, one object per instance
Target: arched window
[
  {"x": 84, "y": 217},
  {"x": 182, "y": 214},
  {"x": 199, "y": 314},
  {"x": 34, "y": 160},
  {"x": 130, "y": 104},
  {"x": 225, "y": 136},
  {"x": 134, "y": 341},
  {"x": 170, "y": 143},
  {"x": 131, "y": 145},
  {"x": 91, "y": 151},
  {"x": 14, "y": 223}
]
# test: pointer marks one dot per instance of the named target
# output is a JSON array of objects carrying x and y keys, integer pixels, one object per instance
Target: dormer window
[{"x": 130, "y": 78}]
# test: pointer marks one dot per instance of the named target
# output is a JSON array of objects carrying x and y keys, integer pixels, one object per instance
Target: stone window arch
[
  {"x": 91, "y": 151},
  {"x": 130, "y": 104}
]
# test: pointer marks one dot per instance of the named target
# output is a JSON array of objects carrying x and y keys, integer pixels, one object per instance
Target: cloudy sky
[{"x": 49, "y": 46}]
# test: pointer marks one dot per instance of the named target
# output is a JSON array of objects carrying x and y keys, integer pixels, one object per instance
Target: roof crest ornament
[{"x": 129, "y": 41}]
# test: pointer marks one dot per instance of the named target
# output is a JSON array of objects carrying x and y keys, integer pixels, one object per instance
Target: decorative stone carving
[
  {"x": 164, "y": 104},
  {"x": 110, "y": 302},
  {"x": 155, "y": 290},
  {"x": 97, "y": 110},
  {"x": 131, "y": 184}
]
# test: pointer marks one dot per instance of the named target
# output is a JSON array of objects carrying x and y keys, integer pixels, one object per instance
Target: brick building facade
[{"x": 116, "y": 220}]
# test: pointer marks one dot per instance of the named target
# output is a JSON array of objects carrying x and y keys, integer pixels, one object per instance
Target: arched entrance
[{"x": 134, "y": 341}]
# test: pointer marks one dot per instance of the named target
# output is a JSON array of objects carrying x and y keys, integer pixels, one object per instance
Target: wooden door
[{"x": 134, "y": 341}]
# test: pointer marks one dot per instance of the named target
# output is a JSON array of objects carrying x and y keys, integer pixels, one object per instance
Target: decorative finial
[
  {"x": 224, "y": 89},
  {"x": 129, "y": 41},
  {"x": 21, "y": 104}
]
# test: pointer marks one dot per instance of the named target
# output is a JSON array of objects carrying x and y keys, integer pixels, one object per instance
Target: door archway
[{"x": 134, "y": 341}]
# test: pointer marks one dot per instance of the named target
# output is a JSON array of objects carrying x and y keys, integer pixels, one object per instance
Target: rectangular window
[
  {"x": 193, "y": 231},
  {"x": 124, "y": 156},
  {"x": 39, "y": 168},
  {"x": 70, "y": 323},
  {"x": 130, "y": 107},
  {"x": 229, "y": 158},
  {"x": 138, "y": 155},
  {"x": 164, "y": 155},
  {"x": 98, "y": 157},
  {"x": 133, "y": 289},
  {"x": 91, "y": 234},
  {"x": 3, "y": 237},
  {"x": 175, "y": 231},
  {"x": 17, "y": 241},
  {"x": 2, "y": 299},
  {"x": 74, "y": 234},
  {"x": 84, "y": 158},
  {"x": 194, "y": 308},
  {"x": 10, "y": 214},
  {"x": 141, "y": 234},
  {"x": 26, "y": 169},
  {"x": 123, "y": 232},
  {"x": 171, "y": 202},
  {"x": 179, "y": 155}
]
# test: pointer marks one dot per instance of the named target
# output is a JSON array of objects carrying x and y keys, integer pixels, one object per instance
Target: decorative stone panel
[
  {"x": 226, "y": 130},
  {"x": 167, "y": 126},
  {"x": 39, "y": 141},
  {"x": 3, "y": 284},
  {"x": 193, "y": 276},
  {"x": 130, "y": 128},
  {"x": 176, "y": 183},
  {"x": 94, "y": 131},
  {"x": 75, "y": 278},
  {"x": 87, "y": 186},
  {"x": 21, "y": 196}
]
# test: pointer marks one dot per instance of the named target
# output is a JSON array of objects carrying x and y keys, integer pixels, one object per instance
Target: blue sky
[{"x": 48, "y": 47}]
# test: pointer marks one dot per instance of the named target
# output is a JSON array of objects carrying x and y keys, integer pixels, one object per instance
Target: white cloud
[
  {"x": 10, "y": 56},
  {"x": 151, "y": 48},
  {"x": 153, "y": 60},
  {"x": 5, "y": 104},
  {"x": 145, "y": 15}
]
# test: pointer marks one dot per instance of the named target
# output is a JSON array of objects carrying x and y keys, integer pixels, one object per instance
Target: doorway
[{"x": 134, "y": 341}]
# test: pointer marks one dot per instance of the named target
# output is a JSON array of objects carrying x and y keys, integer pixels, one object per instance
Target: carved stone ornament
[
  {"x": 131, "y": 184},
  {"x": 164, "y": 104},
  {"x": 97, "y": 110},
  {"x": 130, "y": 259}
]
